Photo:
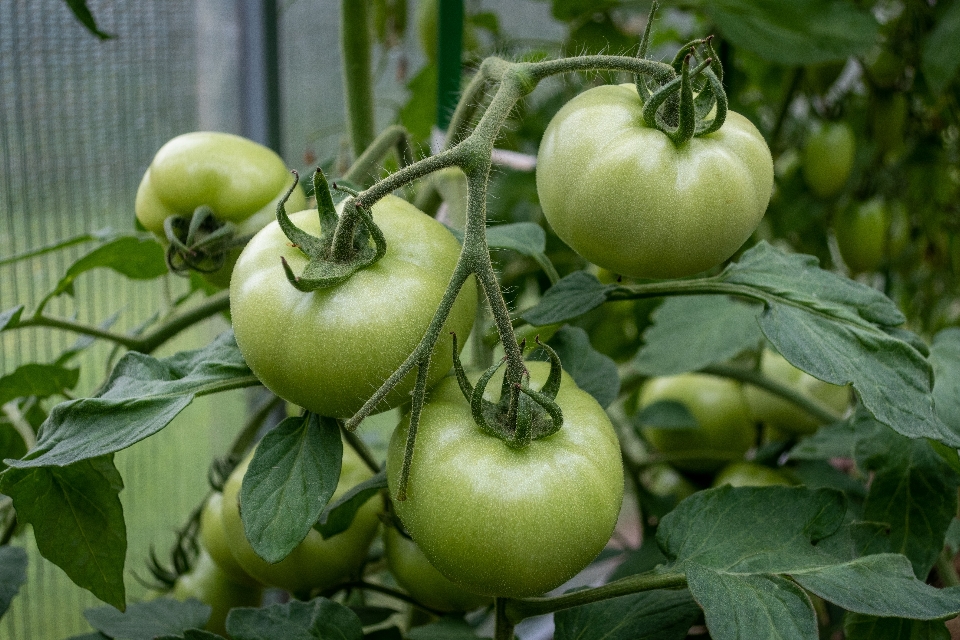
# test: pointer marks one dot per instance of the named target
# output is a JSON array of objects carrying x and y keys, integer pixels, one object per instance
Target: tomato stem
[
  {"x": 357, "y": 77},
  {"x": 364, "y": 169}
]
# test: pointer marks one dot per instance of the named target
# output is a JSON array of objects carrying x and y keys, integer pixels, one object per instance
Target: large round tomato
[
  {"x": 780, "y": 413},
  {"x": 240, "y": 180},
  {"x": 504, "y": 521},
  {"x": 725, "y": 431},
  {"x": 315, "y": 563},
  {"x": 330, "y": 349},
  {"x": 626, "y": 198},
  {"x": 414, "y": 573},
  {"x": 828, "y": 158},
  {"x": 861, "y": 230},
  {"x": 209, "y": 584}
]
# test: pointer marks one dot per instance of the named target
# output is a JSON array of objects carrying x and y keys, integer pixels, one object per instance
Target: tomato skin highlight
[
  {"x": 315, "y": 563},
  {"x": 240, "y": 180},
  {"x": 329, "y": 350},
  {"x": 725, "y": 431},
  {"x": 624, "y": 197},
  {"x": 421, "y": 580},
  {"x": 501, "y": 521}
]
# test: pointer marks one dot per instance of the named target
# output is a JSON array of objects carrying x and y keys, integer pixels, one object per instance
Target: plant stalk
[{"x": 357, "y": 75}]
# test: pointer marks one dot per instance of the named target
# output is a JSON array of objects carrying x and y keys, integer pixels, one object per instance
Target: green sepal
[
  {"x": 485, "y": 413},
  {"x": 552, "y": 385},
  {"x": 547, "y": 404},
  {"x": 199, "y": 242},
  {"x": 465, "y": 387},
  {"x": 325, "y": 268},
  {"x": 642, "y": 89}
]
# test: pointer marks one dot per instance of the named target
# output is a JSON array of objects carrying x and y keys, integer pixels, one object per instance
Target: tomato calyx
[
  {"x": 199, "y": 242},
  {"x": 522, "y": 414},
  {"x": 343, "y": 247},
  {"x": 681, "y": 106}
]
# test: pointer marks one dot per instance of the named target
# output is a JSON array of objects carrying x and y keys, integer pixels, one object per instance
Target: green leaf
[
  {"x": 945, "y": 360},
  {"x": 134, "y": 257},
  {"x": 593, "y": 371},
  {"x": 77, "y": 521},
  {"x": 827, "y": 326},
  {"x": 837, "y": 440},
  {"x": 652, "y": 615},
  {"x": 337, "y": 517},
  {"x": 572, "y": 296},
  {"x": 10, "y": 317},
  {"x": 141, "y": 397},
  {"x": 730, "y": 532},
  {"x": 913, "y": 491},
  {"x": 761, "y": 606},
  {"x": 82, "y": 13},
  {"x": 939, "y": 60},
  {"x": 192, "y": 634},
  {"x": 102, "y": 235},
  {"x": 857, "y": 626},
  {"x": 666, "y": 414},
  {"x": 419, "y": 113},
  {"x": 880, "y": 585},
  {"x": 146, "y": 620},
  {"x": 35, "y": 379},
  {"x": 799, "y": 32},
  {"x": 448, "y": 628},
  {"x": 527, "y": 239},
  {"x": 952, "y": 539},
  {"x": 319, "y": 619},
  {"x": 293, "y": 474},
  {"x": 691, "y": 332},
  {"x": 13, "y": 573}
]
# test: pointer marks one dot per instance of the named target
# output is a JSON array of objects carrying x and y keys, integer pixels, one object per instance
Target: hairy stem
[
  {"x": 364, "y": 167},
  {"x": 357, "y": 75},
  {"x": 360, "y": 447},
  {"x": 517, "y": 610}
]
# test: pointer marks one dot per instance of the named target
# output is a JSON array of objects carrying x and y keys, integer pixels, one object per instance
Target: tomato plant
[
  {"x": 783, "y": 415},
  {"x": 862, "y": 232},
  {"x": 414, "y": 573},
  {"x": 239, "y": 180},
  {"x": 626, "y": 198},
  {"x": 353, "y": 335},
  {"x": 316, "y": 563},
  {"x": 724, "y": 428},
  {"x": 490, "y": 517}
]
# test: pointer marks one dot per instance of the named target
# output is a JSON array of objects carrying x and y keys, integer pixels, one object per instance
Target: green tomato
[
  {"x": 209, "y": 584},
  {"x": 725, "y": 430},
  {"x": 781, "y": 414},
  {"x": 502, "y": 521},
  {"x": 861, "y": 232},
  {"x": 213, "y": 538},
  {"x": 330, "y": 349},
  {"x": 240, "y": 180},
  {"x": 624, "y": 197},
  {"x": 666, "y": 482},
  {"x": 421, "y": 580},
  {"x": 749, "y": 474},
  {"x": 315, "y": 563},
  {"x": 828, "y": 158}
]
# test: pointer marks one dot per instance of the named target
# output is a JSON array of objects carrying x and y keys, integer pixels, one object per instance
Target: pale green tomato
[
  {"x": 315, "y": 563},
  {"x": 749, "y": 474},
  {"x": 862, "y": 230},
  {"x": 503, "y": 521},
  {"x": 725, "y": 431},
  {"x": 828, "y": 158},
  {"x": 240, "y": 180},
  {"x": 328, "y": 350},
  {"x": 626, "y": 198},
  {"x": 780, "y": 413},
  {"x": 421, "y": 580},
  {"x": 213, "y": 539},
  {"x": 208, "y": 583}
]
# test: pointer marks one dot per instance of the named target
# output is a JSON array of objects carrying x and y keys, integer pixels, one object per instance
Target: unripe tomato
[
  {"x": 749, "y": 474},
  {"x": 240, "y": 180},
  {"x": 780, "y": 413},
  {"x": 213, "y": 538},
  {"x": 315, "y": 563},
  {"x": 505, "y": 521},
  {"x": 725, "y": 431},
  {"x": 861, "y": 232},
  {"x": 209, "y": 584},
  {"x": 626, "y": 198},
  {"x": 421, "y": 580},
  {"x": 828, "y": 158},
  {"x": 328, "y": 350}
]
